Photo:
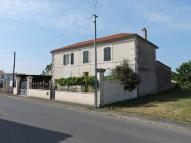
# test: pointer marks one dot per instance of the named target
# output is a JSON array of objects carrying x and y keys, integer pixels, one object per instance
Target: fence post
[
  {"x": 100, "y": 94},
  {"x": 29, "y": 84},
  {"x": 5, "y": 86},
  {"x": 18, "y": 80}
]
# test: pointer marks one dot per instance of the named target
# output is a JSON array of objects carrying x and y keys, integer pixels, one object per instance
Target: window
[
  {"x": 107, "y": 54},
  {"x": 72, "y": 58},
  {"x": 86, "y": 74},
  {"x": 66, "y": 59},
  {"x": 85, "y": 56}
]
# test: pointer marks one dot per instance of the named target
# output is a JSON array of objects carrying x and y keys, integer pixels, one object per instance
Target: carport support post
[
  {"x": 100, "y": 94},
  {"x": 29, "y": 84},
  {"x": 18, "y": 80}
]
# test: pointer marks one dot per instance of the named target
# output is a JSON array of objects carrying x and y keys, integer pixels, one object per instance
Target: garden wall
[
  {"x": 39, "y": 93},
  {"x": 113, "y": 92},
  {"x": 14, "y": 91},
  {"x": 75, "y": 97}
]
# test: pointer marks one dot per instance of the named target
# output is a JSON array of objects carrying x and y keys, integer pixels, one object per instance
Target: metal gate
[{"x": 23, "y": 87}]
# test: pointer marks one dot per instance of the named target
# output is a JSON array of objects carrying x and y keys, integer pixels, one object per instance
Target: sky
[{"x": 33, "y": 28}]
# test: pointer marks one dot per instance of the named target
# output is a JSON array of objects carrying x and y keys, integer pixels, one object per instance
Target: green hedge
[{"x": 73, "y": 81}]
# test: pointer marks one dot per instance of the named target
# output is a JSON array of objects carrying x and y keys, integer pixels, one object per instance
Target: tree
[
  {"x": 47, "y": 70},
  {"x": 126, "y": 75},
  {"x": 184, "y": 75},
  {"x": 174, "y": 76}
]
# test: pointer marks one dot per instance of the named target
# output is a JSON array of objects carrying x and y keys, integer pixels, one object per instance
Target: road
[{"x": 23, "y": 120}]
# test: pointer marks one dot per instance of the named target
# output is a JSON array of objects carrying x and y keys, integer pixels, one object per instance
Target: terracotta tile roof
[{"x": 99, "y": 40}]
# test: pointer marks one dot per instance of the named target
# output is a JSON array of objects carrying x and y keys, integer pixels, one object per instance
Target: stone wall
[
  {"x": 146, "y": 67},
  {"x": 113, "y": 92},
  {"x": 163, "y": 76},
  {"x": 75, "y": 97},
  {"x": 39, "y": 93}
]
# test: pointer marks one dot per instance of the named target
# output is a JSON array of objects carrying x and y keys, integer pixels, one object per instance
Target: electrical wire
[{"x": 89, "y": 22}]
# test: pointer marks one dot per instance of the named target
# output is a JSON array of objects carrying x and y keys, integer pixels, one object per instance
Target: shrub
[
  {"x": 183, "y": 75},
  {"x": 126, "y": 75}
]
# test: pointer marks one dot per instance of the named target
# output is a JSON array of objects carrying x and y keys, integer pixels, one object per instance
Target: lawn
[{"x": 174, "y": 104}]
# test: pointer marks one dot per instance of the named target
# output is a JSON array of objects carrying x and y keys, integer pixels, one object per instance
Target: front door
[{"x": 23, "y": 87}]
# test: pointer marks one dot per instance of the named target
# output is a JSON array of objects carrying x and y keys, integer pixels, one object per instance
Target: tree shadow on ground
[
  {"x": 12, "y": 132},
  {"x": 146, "y": 101}
]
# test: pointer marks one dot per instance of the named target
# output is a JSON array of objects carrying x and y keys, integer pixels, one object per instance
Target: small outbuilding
[{"x": 25, "y": 84}]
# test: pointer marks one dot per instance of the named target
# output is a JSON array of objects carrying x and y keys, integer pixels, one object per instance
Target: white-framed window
[
  {"x": 68, "y": 59},
  {"x": 85, "y": 56},
  {"x": 107, "y": 54}
]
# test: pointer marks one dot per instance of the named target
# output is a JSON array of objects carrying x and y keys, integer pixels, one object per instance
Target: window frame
[
  {"x": 105, "y": 59},
  {"x": 83, "y": 60},
  {"x": 66, "y": 59}
]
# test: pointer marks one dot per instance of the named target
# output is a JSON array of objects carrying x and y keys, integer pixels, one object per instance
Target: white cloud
[
  {"x": 157, "y": 17},
  {"x": 71, "y": 22},
  {"x": 21, "y": 8},
  {"x": 171, "y": 14},
  {"x": 44, "y": 12},
  {"x": 173, "y": 21}
]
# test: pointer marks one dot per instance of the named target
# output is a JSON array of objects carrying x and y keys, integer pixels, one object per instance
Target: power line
[
  {"x": 100, "y": 6},
  {"x": 94, "y": 8},
  {"x": 93, "y": 12}
]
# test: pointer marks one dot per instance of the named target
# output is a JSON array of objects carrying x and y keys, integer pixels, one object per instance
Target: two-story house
[{"x": 78, "y": 59}]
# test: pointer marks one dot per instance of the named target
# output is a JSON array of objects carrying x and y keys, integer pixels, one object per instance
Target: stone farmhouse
[{"x": 78, "y": 59}]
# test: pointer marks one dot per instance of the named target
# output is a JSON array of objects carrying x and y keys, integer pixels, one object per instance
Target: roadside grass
[{"x": 174, "y": 105}]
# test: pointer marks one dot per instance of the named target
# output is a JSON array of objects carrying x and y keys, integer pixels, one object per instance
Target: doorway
[{"x": 23, "y": 87}]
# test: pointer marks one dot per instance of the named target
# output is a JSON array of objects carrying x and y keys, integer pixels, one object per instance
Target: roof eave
[
  {"x": 63, "y": 49},
  {"x": 147, "y": 41}
]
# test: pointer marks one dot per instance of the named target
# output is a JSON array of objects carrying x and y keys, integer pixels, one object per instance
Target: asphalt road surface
[{"x": 23, "y": 120}]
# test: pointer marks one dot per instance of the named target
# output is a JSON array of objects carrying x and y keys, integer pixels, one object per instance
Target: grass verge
[{"x": 174, "y": 105}]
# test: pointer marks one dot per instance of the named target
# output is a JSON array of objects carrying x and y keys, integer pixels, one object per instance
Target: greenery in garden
[
  {"x": 126, "y": 75},
  {"x": 74, "y": 81},
  {"x": 47, "y": 70},
  {"x": 183, "y": 75}
]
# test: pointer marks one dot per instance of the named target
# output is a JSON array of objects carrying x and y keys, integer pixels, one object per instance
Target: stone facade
[
  {"x": 120, "y": 50},
  {"x": 140, "y": 53},
  {"x": 146, "y": 67},
  {"x": 163, "y": 76}
]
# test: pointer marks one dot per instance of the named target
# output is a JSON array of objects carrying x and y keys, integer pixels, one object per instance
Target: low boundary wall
[
  {"x": 75, "y": 97},
  {"x": 113, "y": 92},
  {"x": 14, "y": 91},
  {"x": 39, "y": 93}
]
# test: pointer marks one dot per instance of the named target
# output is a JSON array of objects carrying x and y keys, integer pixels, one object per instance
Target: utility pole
[
  {"x": 95, "y": 47},
  {"x": 52, "y": 86},
  {"x": 13, "y": 71}
]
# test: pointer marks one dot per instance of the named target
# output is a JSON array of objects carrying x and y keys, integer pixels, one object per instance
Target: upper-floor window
[
  {"x": 72, "y": 58},
  {"x": 107, "y": 54},
  {"x": 85, "y": 56},
  {"x": 68, "y": 59}
]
